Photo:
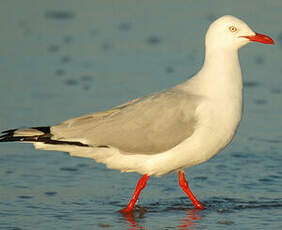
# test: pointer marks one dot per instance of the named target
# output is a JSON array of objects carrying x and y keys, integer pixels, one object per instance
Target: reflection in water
[
  {"x": 132, "y": 220},
  {"x": 189, "y": 222}
]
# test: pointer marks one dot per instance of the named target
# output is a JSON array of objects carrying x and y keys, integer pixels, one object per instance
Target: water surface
[{"x": 64, "y": 59}]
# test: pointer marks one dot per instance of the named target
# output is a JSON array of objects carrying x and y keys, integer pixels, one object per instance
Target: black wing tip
[
  {"x": 56, "y": 142},
  {"x": 44, "y": 129},
  {"x": 9, "y": 131},
  {"x": 8, "y": 136}
]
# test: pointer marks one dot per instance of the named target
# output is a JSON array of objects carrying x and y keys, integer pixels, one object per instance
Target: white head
[{"x": 229, "y": 32}]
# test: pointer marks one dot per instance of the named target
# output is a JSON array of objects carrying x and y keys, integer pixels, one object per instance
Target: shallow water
[{"x": 64, "y": 59}]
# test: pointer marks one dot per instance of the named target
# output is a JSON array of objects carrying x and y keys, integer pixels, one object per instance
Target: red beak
[{"x": 260, "y": 38}]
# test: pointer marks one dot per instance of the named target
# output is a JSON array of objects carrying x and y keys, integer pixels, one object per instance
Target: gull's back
[{"x": 153, "y": 124}]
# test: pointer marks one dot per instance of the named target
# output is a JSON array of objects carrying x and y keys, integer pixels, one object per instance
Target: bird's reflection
[
  {"x": 132, "y": 218},
  {"x": 188, "y": 222}
]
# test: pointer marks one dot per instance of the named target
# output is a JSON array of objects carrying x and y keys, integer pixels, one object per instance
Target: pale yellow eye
[{"x": 232, "y": 29}]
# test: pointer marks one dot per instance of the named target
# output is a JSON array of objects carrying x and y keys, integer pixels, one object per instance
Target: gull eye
[{"x": 232, "y": 29}]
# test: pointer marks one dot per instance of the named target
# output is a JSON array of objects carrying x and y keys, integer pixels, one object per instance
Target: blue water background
[{"x": 61, "y": 59}]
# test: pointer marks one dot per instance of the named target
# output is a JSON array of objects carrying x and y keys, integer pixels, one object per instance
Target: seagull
[{"x": 167, "y": 131}]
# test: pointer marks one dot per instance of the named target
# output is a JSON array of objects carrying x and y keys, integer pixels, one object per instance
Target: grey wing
[
  {"x": 150, "y": 125},
  {"x": 94, "y": 118}
]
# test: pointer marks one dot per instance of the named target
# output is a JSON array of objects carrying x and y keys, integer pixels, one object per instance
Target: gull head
[{"x": 231, "y": 33}]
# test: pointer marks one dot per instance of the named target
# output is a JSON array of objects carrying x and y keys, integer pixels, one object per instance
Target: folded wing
[{"x": 143, "y": 126}]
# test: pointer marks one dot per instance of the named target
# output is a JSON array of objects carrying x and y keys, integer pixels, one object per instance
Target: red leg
[
  {"x": 141, "y": 184},
  {"x": 184, "y": 185}
]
